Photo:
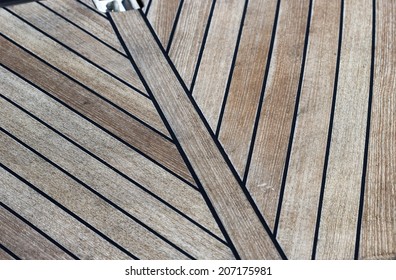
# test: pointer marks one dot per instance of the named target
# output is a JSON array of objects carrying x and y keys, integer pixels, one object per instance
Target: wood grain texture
[
  {"x": 378, "y": 236},
  {"x": 25, "y": 242},
  {"x": 101, "y": 179},
  {"x": 275, "y": 120},
  {"x": 4, "y": 256},
  {"x": 55, "y": 222},
  {"x": 305, "y": 170},
  {"x": 162, "y": 16},
  {"x": 88, "y": 104},
  {"x": 75, "y": 39},
  {"x": 247, "y": 81},
  {"x": 338, "y": 224},
  {"x": 188, "y": 37},
  {"x": 129, "y": 163},
  {"x": 243, "y": 226},
  {"x": 215, "y": 66}
]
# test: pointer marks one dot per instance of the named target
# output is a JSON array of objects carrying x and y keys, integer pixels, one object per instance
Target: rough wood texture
[
  {"x": 243, "y": 226},
  {"x": 379, "y": 215}
]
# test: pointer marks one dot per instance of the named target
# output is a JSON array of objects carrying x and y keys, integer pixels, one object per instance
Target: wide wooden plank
[
  {"x": 144, "y": 172},
  {"x": 249, "y": 236},
  {"x": 305, "y": 170},
  {"x": 247, "y": 80},
  {"x": 66, "y": 230},
  {"x": 83, "y": 101},
  {"x": 265, "y": 168},
  {"x": 162, "y": 16},
  {"x": 188, "y": 37},
  {"x": 215, "y": 66},
  {"x": 25, "y": 242},
  {"x": 101, "y": 179},
  {"x": 378, "y": 235},
  {"x": 79, "y": 69},
  {"x": 73, "y": 38},
  {"x": 338, "y": 222}
]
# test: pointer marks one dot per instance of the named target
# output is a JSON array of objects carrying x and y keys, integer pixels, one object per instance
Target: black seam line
[
  {"x": 115, "y": 170},
  {"x": 294, "y": 120},
  {"x": 82, "y": 29},
  {"x": 204, "y": 195},
  {"x": 39, "y": 231},
  {"x": 78, "y": 54},
  {"x": 72, "y": 214},
  {"x": 107, "y": 200},
  {"x": 201, "y": 51},
  {"x": 329, "y": 134},
  {"x": 102, "y": 128},
  {"x": 175, "y": 23},
  {"x": 262, "y": 94},
  {"x": 148, "y": 7},
  {"x": 214, "y": 139},
  {"x": 366, "y": 148},
  {"x": 89, "y": 90},
  {"x": 8, "y": 251},
  {"x": 90, "y": 8},
  {"x": 231, "y": 73}
]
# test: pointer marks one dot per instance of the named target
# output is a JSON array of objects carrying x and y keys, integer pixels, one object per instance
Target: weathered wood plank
[
  {"x": 25, "y": 242},
  {"x": 4, "y": 256},
  {"x": 215, "y": 66},
  {"x": 143, "y": 171},
  {"x": 70, "y": 233},
  {"x": 102, "y": 179},
  {"x": 273, "y": 128},
  {"x": 304, "y": 177},
  {"x": 247, "y": 81},
  {"x": 378, "y": 235},
  {"x": 115, "y": 121},
  {"x": 338, "y": 224},
  {"x": 220, "y": 184}
]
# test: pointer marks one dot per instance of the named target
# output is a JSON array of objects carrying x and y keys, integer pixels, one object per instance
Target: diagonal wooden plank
[
  {"x": 25, "y": 242},
  {"x": 342, "y": 190},
  {"x": 243, "y": 226},
  {"x": 378, "y": 234},
  {"x": 5, "y": 255},
  {"x": 307, "y": 156}
]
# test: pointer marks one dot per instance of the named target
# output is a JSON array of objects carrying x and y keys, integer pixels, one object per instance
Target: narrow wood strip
[
  {"x": 272, "y": 129},
  {"x": 72, "y": 234},
  {"x": 162, "y": 15},
  {"x": 78, "y": 98},
  {"x": 337, "y": 232},
  {"x": 134, "y": 201},
  {"x": 188, "y": 37},
  {"x": 4, "y": 256},
  {"x": 304, "y": 177},
  {"x": 143, "y": 171},
  {"x": 25, "y": 242},
  {"x": 108, "y": 87},
  {"x": 247, "y": 81},
  {"x": 214, "y": 69},
  {"x": 246, "y": 230},
  {"x": 74, "y": 38},
  {"x": 378, "y": 235}
]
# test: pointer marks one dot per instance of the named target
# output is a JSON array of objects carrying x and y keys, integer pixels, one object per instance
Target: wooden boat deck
[{"x": 285, "y": 144}]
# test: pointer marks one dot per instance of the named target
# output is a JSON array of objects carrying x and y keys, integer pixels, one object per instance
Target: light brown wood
[
  {"x": 214, "y": 69},
  {"x": 338, "y": 225},
  {"x": 25, "y": 242},
  {"x": 84, "y": 102},
  {"x": 269, "y": 153},
  {"x": 247, "y": 81},
  {"x": 188, "y": 37},
  {"x": 304, "y": 178},
  {"x": 242, "y": 224},
  {"x": 143, "y": 171},
  {"x": 162, "y": 16},
  {"x": 4, "y": 256},
  {"x": 378, "y": 236}
]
